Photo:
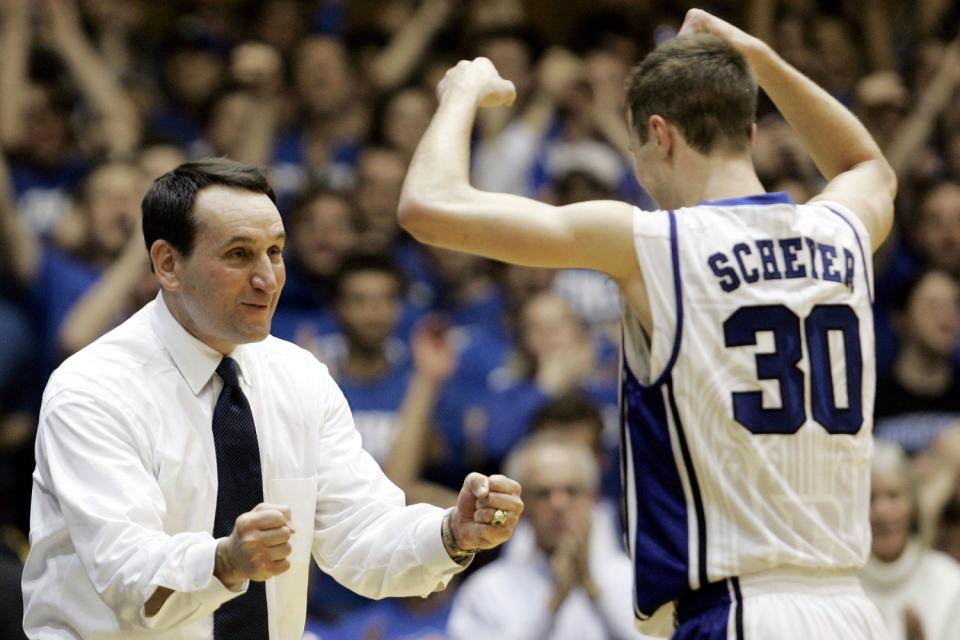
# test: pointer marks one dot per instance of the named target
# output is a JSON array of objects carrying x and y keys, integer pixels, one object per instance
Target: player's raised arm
[
  {"x": 440, "y": 207},
  {"x": 842, "y": 148}
]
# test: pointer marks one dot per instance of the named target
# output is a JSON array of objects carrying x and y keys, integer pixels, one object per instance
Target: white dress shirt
[
  {"x": 509, "y": 600},
  {"x": 125, "y": 489}
]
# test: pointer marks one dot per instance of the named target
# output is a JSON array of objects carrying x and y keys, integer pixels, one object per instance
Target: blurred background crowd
[{"x": 450, "y": 362}]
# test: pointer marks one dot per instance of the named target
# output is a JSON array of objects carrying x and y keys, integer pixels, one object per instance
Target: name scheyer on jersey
[{"x": 747, "y": 413}]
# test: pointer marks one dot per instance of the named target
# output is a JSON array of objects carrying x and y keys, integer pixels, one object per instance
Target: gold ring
[{"x": 499, "y": 518}]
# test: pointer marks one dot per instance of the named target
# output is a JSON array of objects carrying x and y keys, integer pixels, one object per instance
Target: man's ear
[
  {"x": 659, "y": 130},
  {"x": 166, "y": 264},
  {"x": 753, "y": 134}
]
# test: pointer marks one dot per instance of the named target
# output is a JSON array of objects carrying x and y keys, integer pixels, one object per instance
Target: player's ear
[
  {"x": 659, "y": 130},
  {"x": 164, "y": 259},
  {"x": 753, "y": 134}
]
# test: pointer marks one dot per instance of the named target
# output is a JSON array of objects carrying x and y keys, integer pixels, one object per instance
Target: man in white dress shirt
[
  {"x": 565, "y": 588},
  {"x": 129, "y": 489}
]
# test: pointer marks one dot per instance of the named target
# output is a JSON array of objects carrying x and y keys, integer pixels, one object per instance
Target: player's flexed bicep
[
  {"x": 438, "y": 205},
  {"x": 592, "y": 235}
]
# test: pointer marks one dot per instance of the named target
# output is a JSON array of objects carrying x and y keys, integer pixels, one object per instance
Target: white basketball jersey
[{"x": 747, "y": 420}]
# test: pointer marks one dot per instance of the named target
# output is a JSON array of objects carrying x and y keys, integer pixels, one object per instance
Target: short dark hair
[
  {"x": 301, "y": 205},
  {"x": 700, "y": 84},
  {"x": 363, "y": 261},
  {"x": 167, "y": 207},
  {"x": 568, "y": 409}
]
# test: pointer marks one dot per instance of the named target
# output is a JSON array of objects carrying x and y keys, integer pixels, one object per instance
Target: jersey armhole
[{"x": 635, "y": 341}]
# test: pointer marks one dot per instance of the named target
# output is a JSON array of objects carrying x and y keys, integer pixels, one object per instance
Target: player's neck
[{"x": 719, "y": 177}]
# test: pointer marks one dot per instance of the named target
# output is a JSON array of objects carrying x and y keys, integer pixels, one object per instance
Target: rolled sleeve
[
  {"x": 364, "y": 535},
  {"x": 93, "y": 459}
]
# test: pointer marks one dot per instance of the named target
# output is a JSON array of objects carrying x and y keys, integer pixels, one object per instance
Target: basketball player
[{"x": 748, "y": 377}]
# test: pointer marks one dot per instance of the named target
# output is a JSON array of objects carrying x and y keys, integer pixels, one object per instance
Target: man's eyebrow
[{"x": 248, "y": 240}]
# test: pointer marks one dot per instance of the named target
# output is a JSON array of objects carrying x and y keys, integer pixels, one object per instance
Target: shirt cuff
[
  {"x": 199, "y": 589},
  {"x": 430, "y": 550}
]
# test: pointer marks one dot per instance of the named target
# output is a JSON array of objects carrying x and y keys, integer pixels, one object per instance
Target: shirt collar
[
  {"x": 777, "y": 197},
  {"x": 195, "y": 360}
]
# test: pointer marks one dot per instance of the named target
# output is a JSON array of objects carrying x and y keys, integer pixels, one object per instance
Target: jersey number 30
[{"x": 741, "y": 329}]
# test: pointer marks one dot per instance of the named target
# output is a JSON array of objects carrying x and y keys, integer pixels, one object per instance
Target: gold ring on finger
[{"x": 499, "y": 518}]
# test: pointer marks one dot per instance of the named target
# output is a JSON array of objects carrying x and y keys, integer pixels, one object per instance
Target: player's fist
[
  {"x": 479, "y": 79},
  {"x": 258, "y": 548},
  {"x": 699, "y": 21}
]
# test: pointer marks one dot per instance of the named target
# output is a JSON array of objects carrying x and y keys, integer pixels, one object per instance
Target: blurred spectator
[
  {"x": 322, "y": 229},
  {"x": 567, "y": 588},
  {"x": 48, "y": 153},
  {"x": 369, "y": 363},
  {"x": 917, "y": 590},
  {"x": 920, "y": 396},
  {"x": 194, "y": 65},
  {"x": 372, "y": 369},
  {"x": 392, "y": 619},
  {"x": 101, "y": 224},
  {"x": 948, "y": 529},
  {"x": 576, "y": 418}
]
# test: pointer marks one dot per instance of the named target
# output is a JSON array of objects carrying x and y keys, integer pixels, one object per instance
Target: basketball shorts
[{"x": 783, "y": 604}]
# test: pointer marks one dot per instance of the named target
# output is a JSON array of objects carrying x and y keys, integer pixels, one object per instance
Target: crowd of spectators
[{"x": 450, "y": 361}]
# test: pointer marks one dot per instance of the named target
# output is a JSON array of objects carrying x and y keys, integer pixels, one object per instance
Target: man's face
[
  {"x": 322, "y": 74},
  {"x": 369, "y": 307},
  {"x": 890, "y": 511},
  {"x": 113, "y": 204},
  {"x": 379, "y": 181},
  {"x": 323, "y": 235},
  {"x": 932, "y": 318},
  {"x": 231, "y": 281},
  {"x": 558, "y": 494},
  {"x": 939, "y": 230},
  {"x": 548, "y": 323}
]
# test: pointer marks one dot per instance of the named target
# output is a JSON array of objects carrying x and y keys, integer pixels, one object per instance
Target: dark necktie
[{"x": 239, "y": 490}]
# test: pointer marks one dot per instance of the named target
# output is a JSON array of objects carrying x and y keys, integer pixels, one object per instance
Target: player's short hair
[
  {"x": 167, "y": 207},
  {"x": 701, "y": 85}
]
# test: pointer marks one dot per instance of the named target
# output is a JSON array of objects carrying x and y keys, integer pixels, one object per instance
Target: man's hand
[
  {"x": 479, "y": 499},
  {"x": 477, "y": 78},
  {"x": 570, "y": 563},
  {"x": 258, "y": 547},
  {"x": 699, "y": 21}
]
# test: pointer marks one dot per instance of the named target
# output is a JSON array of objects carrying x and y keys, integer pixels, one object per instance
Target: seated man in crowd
[{"x": 567, "y": 588}]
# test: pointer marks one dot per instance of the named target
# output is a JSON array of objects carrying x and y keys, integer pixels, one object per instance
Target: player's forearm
[
  {"x": 439, "y": 173},
  {"x": 833, "y": 136}
]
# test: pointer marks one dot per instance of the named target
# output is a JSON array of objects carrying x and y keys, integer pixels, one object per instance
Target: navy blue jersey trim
[
  {"x": 863, "y": 255},
  {"x": 776, "y": 197},
  {"x": 694, "y": 487},
  {"x": 678, "y": 301},
  {"x": 738, "y": 598}
]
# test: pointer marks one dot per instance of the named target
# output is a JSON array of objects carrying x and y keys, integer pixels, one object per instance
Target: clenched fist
[
  {"x": 258, "y": 547},
  {"x": 478, "y": 79}
]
